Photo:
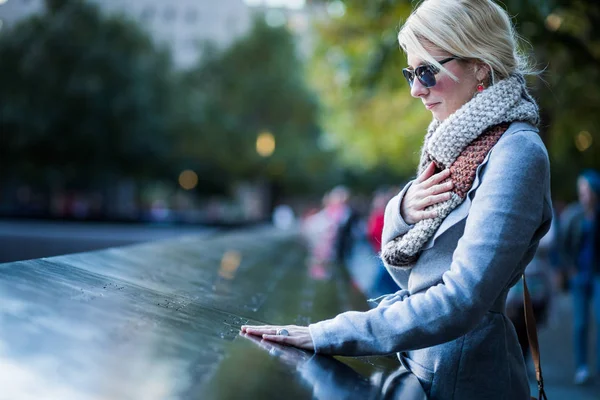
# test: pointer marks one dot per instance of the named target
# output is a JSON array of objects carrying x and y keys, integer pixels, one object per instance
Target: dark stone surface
[
  {"x": 30, "y": 239},
  {"x": 161, "y": 321}
]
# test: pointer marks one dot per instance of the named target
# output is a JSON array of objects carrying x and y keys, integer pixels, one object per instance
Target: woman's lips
[{"x": 430, "y": 106}]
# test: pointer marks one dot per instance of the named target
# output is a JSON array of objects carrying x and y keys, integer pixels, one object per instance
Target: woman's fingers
[
  {"x": 260, "y": 330},
  {"x": 298, "y": 336},
  {"x": 430, "y": 214},
  {"x": 431, "y": 200},
  {"x": 437, "y": 178},
  {"x": 441, "y": 188},
  {"x": 428, "y": 189},
  {"x": 296, "y": 341},
  {"x": 427, "y": 173}
]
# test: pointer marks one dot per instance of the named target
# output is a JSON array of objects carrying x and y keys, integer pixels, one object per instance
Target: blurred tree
[
  {"x": 368, "y": 111},
  {"x": 83, "y": 98},
  {"x": 257, "y": 85}
]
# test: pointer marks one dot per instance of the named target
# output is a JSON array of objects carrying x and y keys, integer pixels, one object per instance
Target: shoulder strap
[{"x": 533, "y": 341}]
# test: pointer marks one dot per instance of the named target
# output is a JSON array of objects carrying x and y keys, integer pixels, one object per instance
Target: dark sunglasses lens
[
  {"x": 426, "y": 76},
  {"x": 409, "y": 76}
]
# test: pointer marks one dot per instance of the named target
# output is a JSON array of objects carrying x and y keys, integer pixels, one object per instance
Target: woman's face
[{"x": 447, "y": 95}]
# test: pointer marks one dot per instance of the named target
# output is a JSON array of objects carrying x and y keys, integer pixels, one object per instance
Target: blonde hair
[{"x": 477, "y": 30}]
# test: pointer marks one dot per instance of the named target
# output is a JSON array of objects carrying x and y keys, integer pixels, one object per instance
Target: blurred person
[
  {"x": 383, "y": 282},
  {"x": 345, "y": 219},
  {"x": 283, "y": 217},
  {"x": 581, "y": 248},
  {"x": 459, "y": 236},
  {"x": 321, "y": 231}
]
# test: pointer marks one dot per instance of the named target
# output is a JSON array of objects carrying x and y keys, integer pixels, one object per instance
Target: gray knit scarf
[{"x": 506, "y": 101}]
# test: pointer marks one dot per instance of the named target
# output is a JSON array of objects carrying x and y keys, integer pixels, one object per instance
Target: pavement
[{"x": 556, "y": 348}]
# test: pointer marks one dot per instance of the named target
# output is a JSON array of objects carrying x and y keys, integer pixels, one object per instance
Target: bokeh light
[
  {"x": 553, "y": 22},
  {"x": 188, "y": 179},
  {"x": 265, "y": 144},
  {"x": 583, "y": 141},
  {"x": 336, "y": 9}
]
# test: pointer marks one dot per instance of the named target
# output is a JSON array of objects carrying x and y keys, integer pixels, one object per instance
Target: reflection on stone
[
  {"x": 144, "y": 322},
  {"x": 332, "y": 379},
  {"x": 229, "y": 264}
]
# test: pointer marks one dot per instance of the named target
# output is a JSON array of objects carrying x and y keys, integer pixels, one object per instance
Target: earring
[{"x": 480, "y": 87}]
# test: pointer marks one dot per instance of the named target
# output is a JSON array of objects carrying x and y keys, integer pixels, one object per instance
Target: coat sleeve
[
  {"x": 506, "y": 211},
  {"x": 393, "y": 223}
]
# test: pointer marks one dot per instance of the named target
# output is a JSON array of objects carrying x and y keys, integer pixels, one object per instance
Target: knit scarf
[{"x": 461, "y": 143}]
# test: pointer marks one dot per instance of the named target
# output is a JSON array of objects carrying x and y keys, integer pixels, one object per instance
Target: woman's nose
[{"x": 418, "y": 89}]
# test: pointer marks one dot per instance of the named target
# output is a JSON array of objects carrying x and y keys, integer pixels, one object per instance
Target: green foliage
[
  {"x": 368, "y": 113},
  {"x": 256, "y": 85},
  {"x": 370, "y": 116},
  {"x": 567, "y": 47},
  {"x": 86, "y": 98},
  {"x": 82, "y": 96}
]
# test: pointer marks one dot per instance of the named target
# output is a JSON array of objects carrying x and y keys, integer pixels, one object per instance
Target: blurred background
[
  {"x": 216, "y": 112},
  {"x": 128, "y": 121},
  {"x": 201, "y": 111}
]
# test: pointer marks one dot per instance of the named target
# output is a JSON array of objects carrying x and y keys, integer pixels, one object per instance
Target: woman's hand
[
  {"x": 290, "y": 355},
  {"x": 426, "y": 190},
  {"x": 298, "y": 336}
]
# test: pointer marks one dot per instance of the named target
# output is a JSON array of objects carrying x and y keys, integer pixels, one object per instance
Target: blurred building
[
  {"x": 184, "y": 24},
  {"x": 181, "y": 24},
  {"x": 297, "y": 15}
]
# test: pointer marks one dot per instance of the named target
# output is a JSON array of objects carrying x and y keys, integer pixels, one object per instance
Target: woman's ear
[{"x": 482, "y": 71}]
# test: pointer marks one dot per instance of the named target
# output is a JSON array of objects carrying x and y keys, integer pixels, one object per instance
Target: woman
[
  {"x": 580, "y": 243},
  {"x": 459, "y": 235}
]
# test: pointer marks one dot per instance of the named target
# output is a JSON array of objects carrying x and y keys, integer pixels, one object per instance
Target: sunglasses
[{"x": 425, "y": 73}]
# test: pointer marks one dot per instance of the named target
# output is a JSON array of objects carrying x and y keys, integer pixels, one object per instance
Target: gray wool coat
[{"x": 447, "y": 324}]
